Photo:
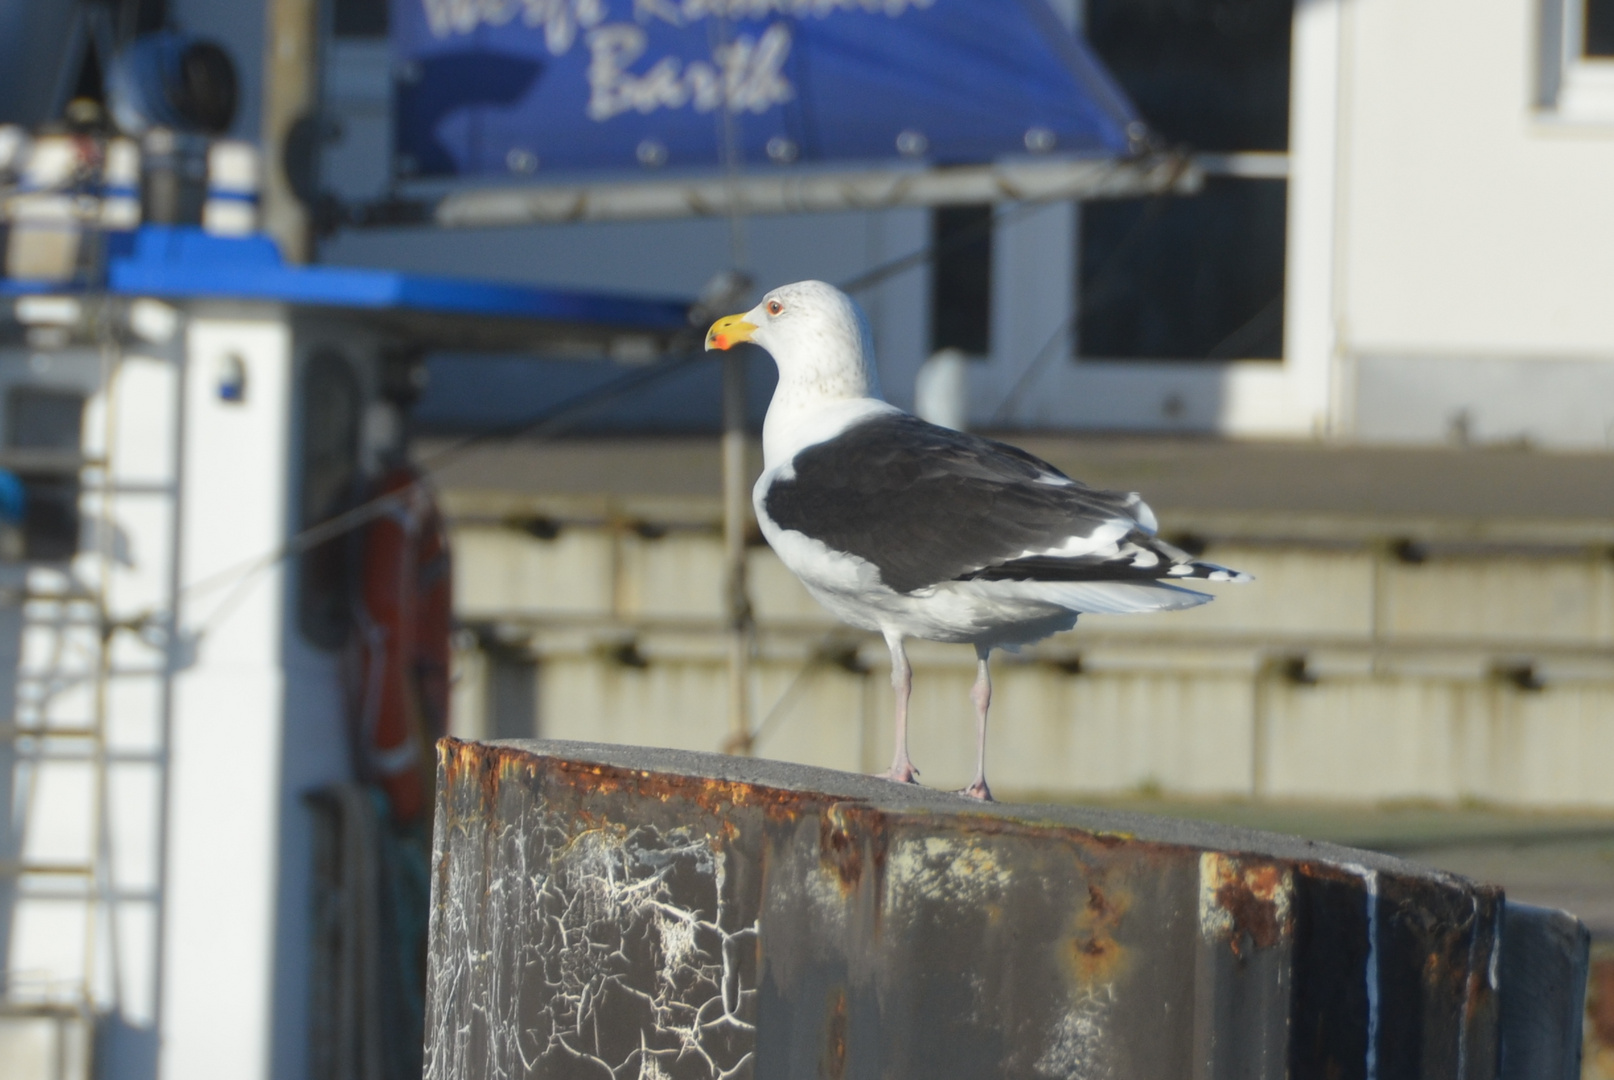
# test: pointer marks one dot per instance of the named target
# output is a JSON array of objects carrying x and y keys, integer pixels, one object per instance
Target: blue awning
[
  {"x": 184, "y": 264},
  {"x": 565, "y": 86},
  {"x": 189, "y": 263}
]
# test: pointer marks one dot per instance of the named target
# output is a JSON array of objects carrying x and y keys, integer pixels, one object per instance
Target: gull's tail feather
[{"x": 1106, "y": 597}]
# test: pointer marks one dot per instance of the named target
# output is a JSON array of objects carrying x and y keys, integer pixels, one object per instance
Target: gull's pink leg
[
  {"x": 981, "y": 694},
  {"x": 902, "y": 770}
]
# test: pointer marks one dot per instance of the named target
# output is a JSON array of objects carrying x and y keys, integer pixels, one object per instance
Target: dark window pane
[
  {"x": 961, "y": 279},
  {"x": 360, "y": 18},
  {"x": 1600, "y": 28},
  {"x": 149, "y": 15},
  {"x": 44, "y": 420},
  {"x": 90, "y": 83},
  {"x": 512, "y": 695},
  {"x": 50, "y": 524},
  {"x": 330, "y": 438},
  {"x": 1179, "y": 278},
  {"x": 1210, "y": 73},
  {"x": 47, "y": 420}
]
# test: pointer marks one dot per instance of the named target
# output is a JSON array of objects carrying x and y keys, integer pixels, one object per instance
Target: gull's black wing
[{"x": 926, "y": 504}]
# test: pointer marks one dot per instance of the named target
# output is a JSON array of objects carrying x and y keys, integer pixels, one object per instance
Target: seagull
[{"x": 899, "y": 526}]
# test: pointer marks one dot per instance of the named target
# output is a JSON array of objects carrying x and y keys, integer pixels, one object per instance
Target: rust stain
[
  {"x": 1434, "y": 968},
  {"x": 1477, "y": 991},
  {"x": 832, "y": 1060},
  {"x": 488, "y": 765},
  {"x": 851, "y": 836},
  {"x": 840, "y": 849},
  {"x": 1482, "y": 994},
  {"x": 1248, "y": 904},
  {"x": 1321, "y": 871},
  {"x": 1252, "y": 899},
  {"x": 716, "y": 797},
  {"x": 1093, "y": 953},
  {"x": 992, "y": 825},
  {"x": 853, "y": 842},
  {"x": 462, "y": 762},
  {"x": 1600, "y": 1013}
]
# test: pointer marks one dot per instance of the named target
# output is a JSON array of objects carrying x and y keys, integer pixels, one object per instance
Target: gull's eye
[{"x": 775, "y": 307}]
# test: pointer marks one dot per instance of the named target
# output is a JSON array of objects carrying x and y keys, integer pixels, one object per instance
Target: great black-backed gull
[{"x": 914, "y": 530}]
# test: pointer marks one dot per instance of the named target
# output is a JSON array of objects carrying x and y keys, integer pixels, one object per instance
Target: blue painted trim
[{"x": 186, "y": 263}]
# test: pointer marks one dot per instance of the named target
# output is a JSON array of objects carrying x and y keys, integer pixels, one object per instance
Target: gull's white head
[{"x": 817, "y": 336}]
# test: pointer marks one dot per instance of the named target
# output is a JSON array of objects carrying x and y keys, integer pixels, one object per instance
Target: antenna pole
[{"x": 736, "y": 515}]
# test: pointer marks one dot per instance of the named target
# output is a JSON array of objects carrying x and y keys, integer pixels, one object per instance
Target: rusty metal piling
[{"x": 614, "y": 911}]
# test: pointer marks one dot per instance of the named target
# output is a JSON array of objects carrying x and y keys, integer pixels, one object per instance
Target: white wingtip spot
[{"x": 1212, "y": 572}]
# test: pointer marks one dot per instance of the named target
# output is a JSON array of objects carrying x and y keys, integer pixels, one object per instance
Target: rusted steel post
[{"x": 613, "y": 911}]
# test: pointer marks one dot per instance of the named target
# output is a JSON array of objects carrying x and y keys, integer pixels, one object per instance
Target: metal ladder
[{"x": 84, "y": 721}]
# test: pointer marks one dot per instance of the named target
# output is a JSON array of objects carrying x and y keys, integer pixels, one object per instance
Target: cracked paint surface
[{"x": 609, "y": 951}]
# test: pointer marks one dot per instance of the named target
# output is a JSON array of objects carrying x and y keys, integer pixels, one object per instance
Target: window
[
  {"x": 512, "y": 693},
  {"x": 961, "y": 280},
  {"x": 1212, "y": 74},
  {"x": 1577, "y": 59},
  {"x": 1197, "y": 277},
  {"x": 359, "y": 18},
  {"x": 1597, "y": 39},
  {"x": 39, "y": 419},
  {"x": 331, "y": 410},
  {"x": 47, "y": 424}
]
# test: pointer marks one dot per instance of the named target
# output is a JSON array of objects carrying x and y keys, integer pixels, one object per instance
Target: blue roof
[
  {"x": 186, "y": 263},
  {"x": 497, "y": 90}
]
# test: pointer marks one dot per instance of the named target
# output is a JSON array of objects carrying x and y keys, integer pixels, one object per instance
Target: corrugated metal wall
[{"x": 1359, "y": 665}]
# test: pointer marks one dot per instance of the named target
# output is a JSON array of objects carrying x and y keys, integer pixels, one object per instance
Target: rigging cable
[{"x": 549, "y": 422}]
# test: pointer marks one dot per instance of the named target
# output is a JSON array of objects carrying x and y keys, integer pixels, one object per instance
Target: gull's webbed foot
[
  {"x": 900, "y": 773},
  {"x": 978, "y": 790}
]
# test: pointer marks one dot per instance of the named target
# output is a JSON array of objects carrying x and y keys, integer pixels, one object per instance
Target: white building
[{"x": 1447, "y": 272}]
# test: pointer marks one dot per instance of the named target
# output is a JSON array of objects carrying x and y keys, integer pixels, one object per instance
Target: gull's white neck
[{"x": 796, "y": 421}]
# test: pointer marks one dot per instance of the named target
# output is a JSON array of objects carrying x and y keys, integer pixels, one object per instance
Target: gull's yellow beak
[{"x": 728, "y": 332}]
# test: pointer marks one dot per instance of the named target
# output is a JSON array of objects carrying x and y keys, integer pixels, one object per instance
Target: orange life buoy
[{"x": 403, "y": 616}]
